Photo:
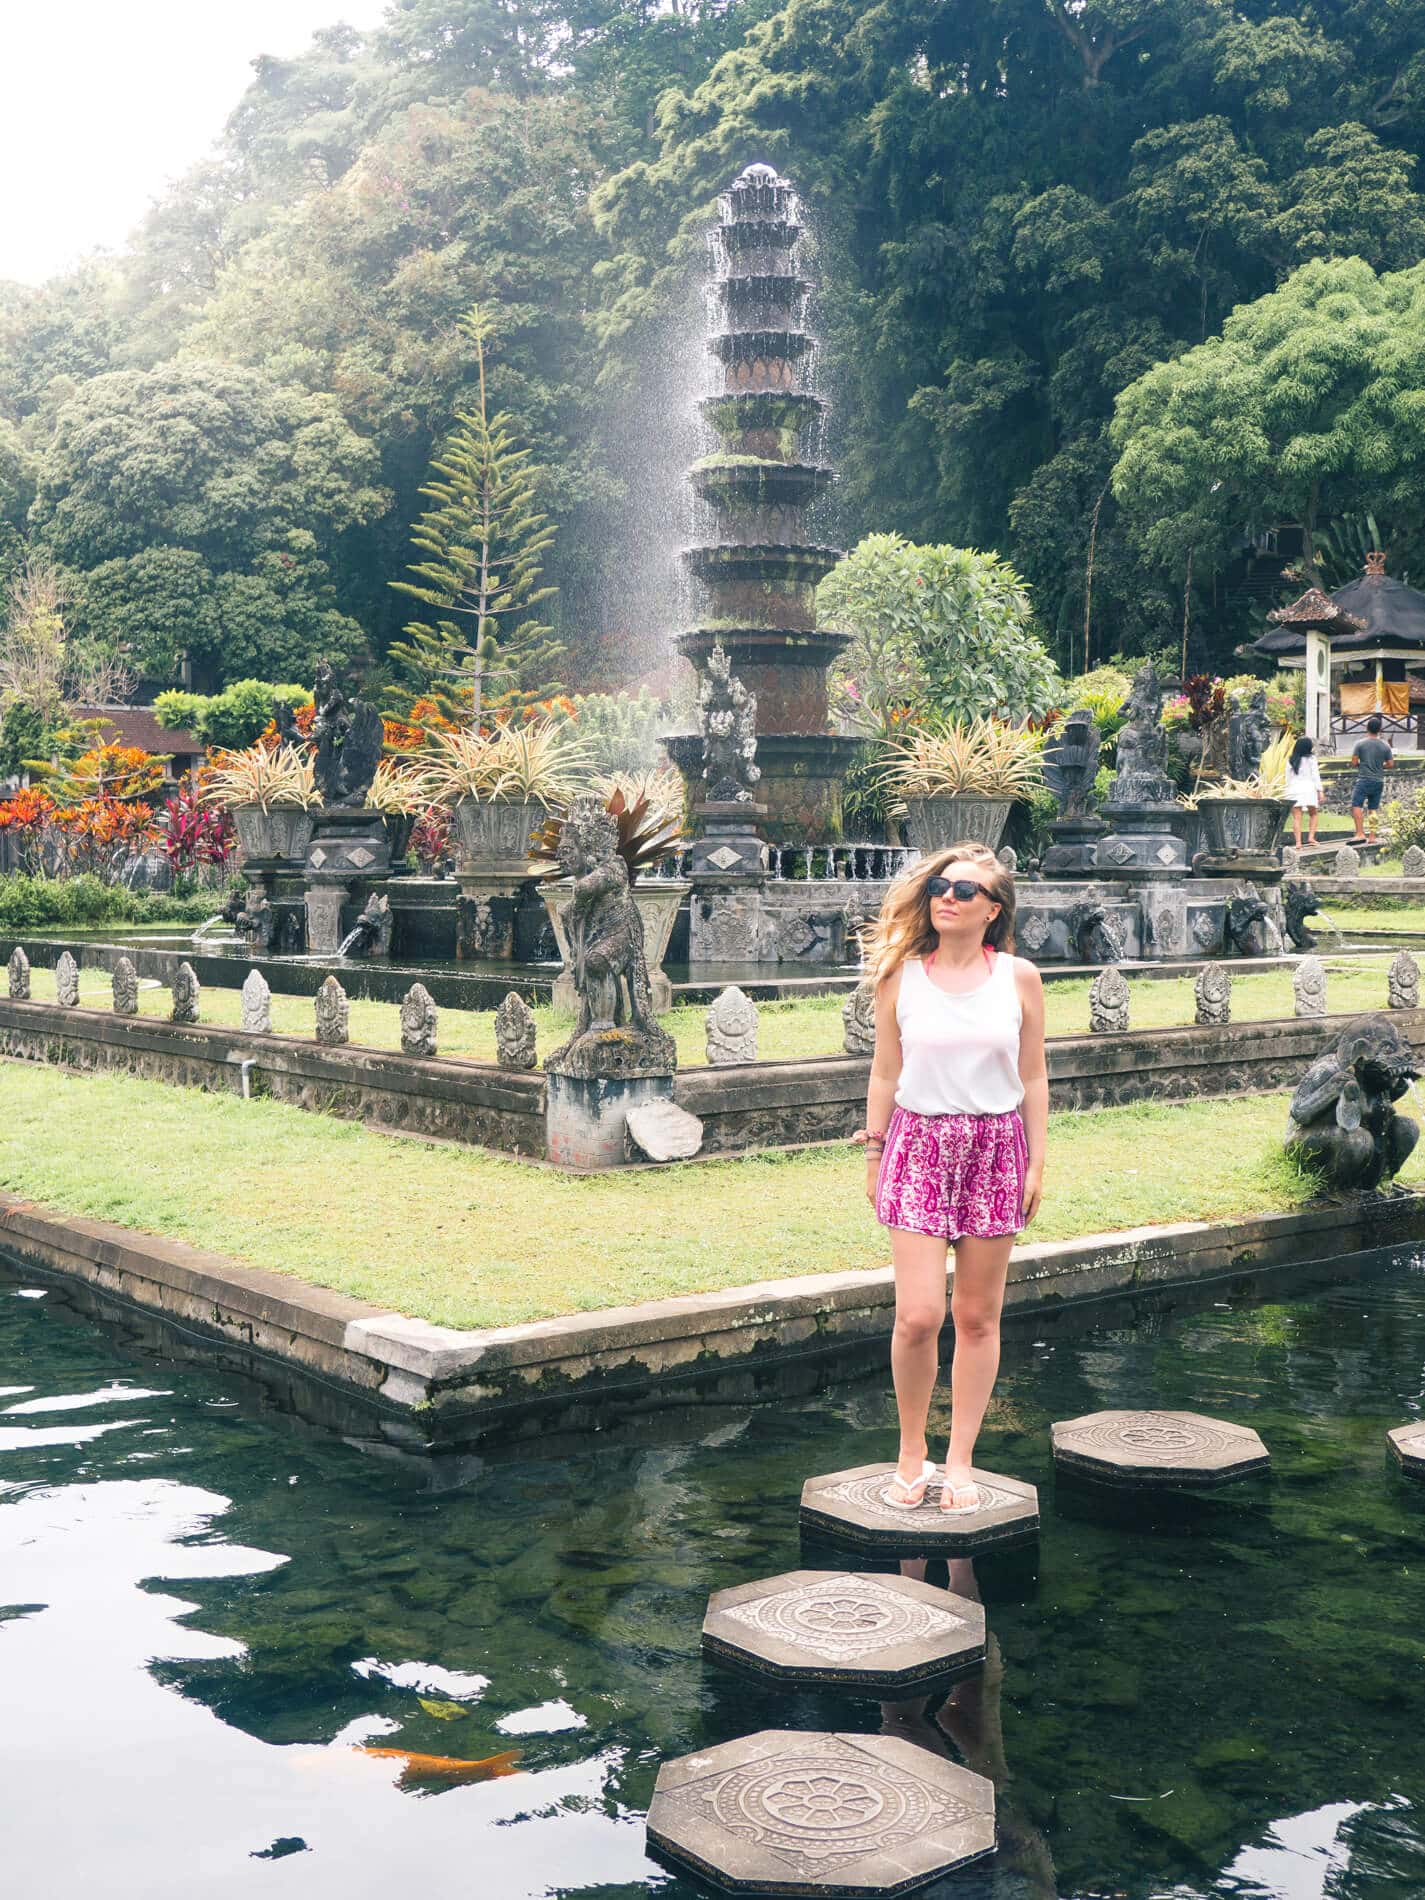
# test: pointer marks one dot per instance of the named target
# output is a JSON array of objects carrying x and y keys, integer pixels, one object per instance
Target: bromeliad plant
[
  {"x": 534, "y": 764},
  {"x": 646, "y": 833},
  {"x": 280, "y": 778},
  {"x": 398, "y": 789},
  {"x": 1268, "y": 781},
  {"x": 980, "y": 759}
]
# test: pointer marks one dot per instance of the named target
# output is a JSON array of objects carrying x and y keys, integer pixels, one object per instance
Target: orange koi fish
[{"x": 446, "y": 1768}]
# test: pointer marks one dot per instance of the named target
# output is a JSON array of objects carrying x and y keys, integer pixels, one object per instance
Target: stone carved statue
[
  {"x": 371, "y": 934},
  {"x": 186, "y": 995},
  {"x": 515, "y": 1033},
  {"x": 333, "y": 1014},
  {"x": 1070, "y": 763},
  {"x": 1299, "y": 901},
  {"x": 1412, "y": 863},
  {"x": 234, "y": 904},
  {"x": 349, "y": 736},
  {"x": 1141, "y": 777},
  {"x": 256, "y": 1005},
  {"x": 615, "y": 1032},
  {"x": 727, "y": 720},
  {"x": 66, "y": 981},
  {"x": 1108, "y": 1003},
  {"x": 418, "y": 1022},
  {"x": 731, "y": 1028},
  {"x": 1347, "y": 862},
  {"x": 1246, "y": 928},
  {"x": 1342, "y": 1121},
  {"x": 1095, "y": 935},
  {"x": 256, "y": 921},
  {"x": 1213, "y": 995},
  {"x": 18, "y": 970},
  {"x": 1403, "y": 981},
  {"x": 1308, "y": 987},
  {"x": 1249, "y": 735},
  {"x": 1009, "y": 858},
  {"x": 858, "y": 1021},
  {"x": 126, "y": 988}
]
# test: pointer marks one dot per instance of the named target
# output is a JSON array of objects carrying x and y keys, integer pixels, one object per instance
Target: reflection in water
[{"x": 215, "y": 1616}]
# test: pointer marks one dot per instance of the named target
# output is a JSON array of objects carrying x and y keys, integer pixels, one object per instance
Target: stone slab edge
[{"x": 401, "y": 1363}]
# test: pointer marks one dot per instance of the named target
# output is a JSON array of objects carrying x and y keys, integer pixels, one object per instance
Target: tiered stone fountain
[{"x": 757, "y": 579}]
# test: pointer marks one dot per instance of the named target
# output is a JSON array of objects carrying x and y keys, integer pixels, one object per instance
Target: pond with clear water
[{"x": 211, "y": 1611}]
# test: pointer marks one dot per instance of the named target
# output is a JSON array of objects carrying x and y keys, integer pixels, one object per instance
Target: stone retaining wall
[
  {"x": 764, "y": 1105},
  {"x": 429, "y": 1386}
]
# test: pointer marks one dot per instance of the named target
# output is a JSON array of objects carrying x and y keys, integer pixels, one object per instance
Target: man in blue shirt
[{"x": 1372, "y": 759}]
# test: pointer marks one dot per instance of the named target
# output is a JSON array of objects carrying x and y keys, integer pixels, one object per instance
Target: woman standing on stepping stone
[{"x": 956, "y": 1119}]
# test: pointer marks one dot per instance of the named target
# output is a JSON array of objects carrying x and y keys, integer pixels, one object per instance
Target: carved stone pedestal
[
  {"x": 347, "y": 857},
  {"x": 585, "y": 1116},
  {"x": 1145, "y": 843},
  {"x": 1073, "y": 847},
  {"x": 485, "y": 912},
  {"x": 730, "y": 840}
]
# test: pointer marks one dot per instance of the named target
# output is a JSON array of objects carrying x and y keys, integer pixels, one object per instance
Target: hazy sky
[{"x": 102, "y": 101}]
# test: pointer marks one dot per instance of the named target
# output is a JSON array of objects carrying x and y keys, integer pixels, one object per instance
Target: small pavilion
[{"x": 1364, "y": 645}]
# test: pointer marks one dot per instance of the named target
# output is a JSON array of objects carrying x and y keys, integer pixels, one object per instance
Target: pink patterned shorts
[{"x": 949, "y": 1175}]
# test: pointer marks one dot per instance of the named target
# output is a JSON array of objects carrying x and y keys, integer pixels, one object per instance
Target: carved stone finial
[
  {"x": 1213, "y": 993},
  {"x": 1342, "y": 1121},
  {"x": 1403, "y": 981},
  {"x": 66, "y": 981},
  {"x": 858, "y": 1021},
  {"x": 731, "y": 1028},
  {"x": 727, "y": 720},
  {"x": 1412, "y": 863},
  {"x": 1375, "y": 565},
  {"x": 126, "y": 988},
  {"x": 1308, "y": 987},
  {"x": 186, "y": 995},
  {"x": 515, "y": 1033},
  {"x": 1009, "y": 858},
  {"x": 418, "y": 1021},
  {"x": 1108, "y": 1003},
  {"x": 1347, "y": 862},
  {"x": 333, "y": 1014},
  {"x": 256, "y": 1005},
  {"x": 19, "y": 972}
]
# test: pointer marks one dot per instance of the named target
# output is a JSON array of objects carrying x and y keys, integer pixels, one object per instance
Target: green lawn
[
  {"x": 810, "y": 1026},
  {"x": 468, "y": 1238}
]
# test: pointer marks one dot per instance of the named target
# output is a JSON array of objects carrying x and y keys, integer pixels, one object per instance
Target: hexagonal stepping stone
[
  {"x": 1171, "y": 1448},
  {"x": 790, "y": 1812},
  {"x": 1408, "y": 1444},
  {"x": 847, "y": 1506},
  {"x": 832, "y": 1630}
]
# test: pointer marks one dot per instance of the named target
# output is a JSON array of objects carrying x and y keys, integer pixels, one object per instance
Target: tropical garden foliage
[{"x": 1020, "y": 210}]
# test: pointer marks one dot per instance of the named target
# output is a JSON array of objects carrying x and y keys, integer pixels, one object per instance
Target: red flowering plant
[
  {"x": 197, "y": 835},
  {"x": 100, "y": 834},
  {"x": 430, "y": 839}
]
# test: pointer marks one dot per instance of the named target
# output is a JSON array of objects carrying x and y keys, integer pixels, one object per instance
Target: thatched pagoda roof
[{"x": 1370, "y": 614}]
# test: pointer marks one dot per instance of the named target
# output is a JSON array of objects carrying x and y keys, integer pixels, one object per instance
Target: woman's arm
[
  {"x": 1034, "y": 1074},
  {"x": 885, "y": 1075}
]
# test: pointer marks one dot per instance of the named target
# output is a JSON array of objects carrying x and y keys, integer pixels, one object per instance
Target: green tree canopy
[
  {"x": 199, "y": 509},
  {"x": 1310, "y": 405},
  {"x": 940, "y": 633}
]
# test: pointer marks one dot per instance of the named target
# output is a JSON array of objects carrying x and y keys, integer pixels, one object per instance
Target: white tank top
[{"x": 959, "y": 1054}]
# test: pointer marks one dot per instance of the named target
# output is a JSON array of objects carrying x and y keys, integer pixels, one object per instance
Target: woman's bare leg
[
  {"x": 1296, "y": 826},
  {"x": 1314, "y": 818},
  {"x": 919, "y": 1261},
  {"x": 981, "y": 1268}
]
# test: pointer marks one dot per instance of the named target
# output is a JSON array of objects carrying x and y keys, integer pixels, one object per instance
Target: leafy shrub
[
  {"x": 231, "y": 719},
  {"x": 1402, "y": 822},
  {"x": 46, "y": 903},
  {"x": 619, "y": 731}
]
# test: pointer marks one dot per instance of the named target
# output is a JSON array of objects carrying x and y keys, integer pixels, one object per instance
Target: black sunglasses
[{"x": 962, "y": 889}]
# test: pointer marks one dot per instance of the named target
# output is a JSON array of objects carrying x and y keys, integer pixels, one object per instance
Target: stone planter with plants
[
  {"x": 398, "y": 793},
  {"x": 272, "y": 795},
  {"x": 1243, "y": 818},
  {"x": 958, "y": 782},
  {"x": 499, "y": 788}
]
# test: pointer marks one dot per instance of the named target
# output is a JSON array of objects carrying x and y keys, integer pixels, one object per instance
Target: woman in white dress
[{"x": 1304, "y": 789}]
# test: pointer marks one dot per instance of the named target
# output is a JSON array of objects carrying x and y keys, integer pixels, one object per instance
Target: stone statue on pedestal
[
  {"x": 615, "y": 1032},
  {"x": 1249, "y": 734},
  {"x": 1071, "y": 763},
  {"x": 727, "y": 720},
  {"x": 1141, "y": 776},
  {"x": 349, "y": 736}
]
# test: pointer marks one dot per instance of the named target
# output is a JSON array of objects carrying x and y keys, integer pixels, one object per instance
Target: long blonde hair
[{"x": 903, "y": 929}]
